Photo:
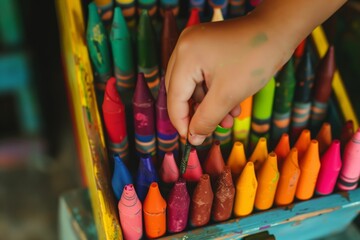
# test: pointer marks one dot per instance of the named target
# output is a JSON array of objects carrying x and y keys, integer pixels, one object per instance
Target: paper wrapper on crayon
[
  {"x": 106, "y": 10},
  {"x": 128, "y": 8},
  {"x": 170, "y": 4},
  {"x": 198, "y": 4},
  {"x": 237, "y": 8},
  {"x": 149, "y": 5},
  {"x": 300, "y": 118},
  {"x": 223, "y": 4},
  {"x": 281, "y": 125},
  {"x": 224, "y": 135}
]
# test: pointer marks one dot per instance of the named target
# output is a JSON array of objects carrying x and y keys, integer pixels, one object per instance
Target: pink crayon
[
  {"x": 350, "y": 171},
  {"x": 178, "y": 207},
  {"x": 193, "y": 170},
  {"x": 329, "y": 170},
  {"x": 130, "y": 213},
  {"x": 169, "y": 172}
]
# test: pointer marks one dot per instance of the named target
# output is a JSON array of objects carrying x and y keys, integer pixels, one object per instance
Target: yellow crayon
[
  {"x": 246, "y": 187},
  {"x": 259, "y": 154},
  {"x": 237, "y": 159},
  {"x": 268, "y": 178}
]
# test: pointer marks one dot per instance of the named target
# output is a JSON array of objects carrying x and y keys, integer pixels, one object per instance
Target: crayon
[
  {"x": 284, "y": 94},
  {"x": 289, "y": 177},
  {"x": 106, "y": 10},
  {"x": 347, "y": 131},
  {"x": 185, "y": 157},
  {"x": 154, "y": 209},
  {"x": 237, "y": 159},
  {"x": 324, "y": 137},
  {"x": 299, "y": 52},
  {"x": 143, "y": 105},
  {"x": 197, "y": 4},
  {"x": 223, "y": 197},
  {"x": 122, "y": 53},
  {"x": 201, "y": 202},
  {"x": 145, "y": 176},
  {"x": 242, "y": 123},
  {"x": 128, "y": 8},
  {"x": 217, "y": 15},
  {"x": 259, "y": 154},
  {"x": 214, "y": 163},
  {"x": 204, "y": 148},
  {"x": 98, "y": 45},
  {"x": 261, "y": 113},
  {"x": 282, "y": 149},
  {"x": 219, "y": 4},
  {"x": 193, "y": 170},
  {"x": 223, "y": 135},
  {"x": 302, "y": 143},
  {"x": 169, "y": 172},
  {"x": 322, "y": 89},
  {"x": 349, "y": 175},
  {"x": 130, "y": 213},
  {"x": 178, "y": 204},
  {"x": 121, "y": 177},
  {"x": 149, "y": 6},
  {"x": 268, "y": 178},
  {"x": 194, "y": 18},
  {"x": 246, "y": 187},
  {"x": 305, "y": 75},
  {"x": 251, "y": 4},
  {"x": 115, "y": 121},
  {"x": 172, "y": 5},
  {"x": 309, "y": 167},
  {"x": 237, "y": 8},
  {"x": 167, "y": 136},
  {"x": 169, "y": 37},
  {"x": 329, "y": 170},
  {"x": 147, "y": 53}
]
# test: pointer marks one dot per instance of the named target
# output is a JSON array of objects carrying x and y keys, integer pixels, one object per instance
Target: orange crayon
[
  {"x": 289, "y": 176},
  {"x": 324, "y": 137},
  {"x": 214, "y": 163},
  {"x": 154, "y": 212},
  {"x": 237, "y": 159},
  {"x": 282, "y": 149},
  {"x": 242, "y": 123},
  {"x": 268, "y": 178},
  {"x": 302, "y": 143},
  {"x": 246, "y": 187},
  {"x": 259, "y": 154},
  {"x": 309, "y": 167}
]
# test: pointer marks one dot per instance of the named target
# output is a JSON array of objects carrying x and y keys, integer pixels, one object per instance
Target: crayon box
[{"x": 310, "y": 219}]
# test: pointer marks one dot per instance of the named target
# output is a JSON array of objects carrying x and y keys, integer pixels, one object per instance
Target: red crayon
[
  {"x": 214, "y": 163},
  {"x": 347, "y": 132},
  {"x": 178, "y": 207},
  {"x": 143, "y": 105},
  {"x": 349, "y": 175},
  {"x": 329, "y": 170},
  {"x": 115, "y": 121},
  {"x": 169, "y": 172},
  {"x": 193, "y": 170},
  {"x": 194, "y": 18}
]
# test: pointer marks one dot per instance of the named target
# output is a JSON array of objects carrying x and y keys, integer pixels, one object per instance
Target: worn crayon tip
[
  {"x": 111, "y": 92},
  {"x": 194, "y": 18},
  {"x": 161, "y": 99},
  {"x": 142, "y": 92},
  {"x": 185, "y": 158}
]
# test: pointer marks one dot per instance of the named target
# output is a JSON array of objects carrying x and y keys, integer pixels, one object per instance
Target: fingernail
[{"x": 196, "y": 139}]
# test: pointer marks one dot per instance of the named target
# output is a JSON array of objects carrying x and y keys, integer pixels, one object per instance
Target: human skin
[{"x": 220, "y": 64}]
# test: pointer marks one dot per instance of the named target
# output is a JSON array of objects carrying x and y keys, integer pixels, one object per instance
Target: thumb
[{"x": 215, "y": 106}]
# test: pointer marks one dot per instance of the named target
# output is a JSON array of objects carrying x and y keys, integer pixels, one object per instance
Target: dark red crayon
[
  {"x": 169, "y": 37},
  {"x": 214, "y": 163}
]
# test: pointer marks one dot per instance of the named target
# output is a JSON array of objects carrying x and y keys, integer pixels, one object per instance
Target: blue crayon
[
  {"x": 121, "y": 177},
  {"x": 145, "y": 176},
  {"x": 223, "y": 4}
]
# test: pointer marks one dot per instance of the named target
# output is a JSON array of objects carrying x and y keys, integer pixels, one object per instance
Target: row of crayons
[{"x": 212, "y": 191}]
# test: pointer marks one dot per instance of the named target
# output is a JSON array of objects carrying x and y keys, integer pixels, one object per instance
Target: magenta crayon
[
  {"x": 329, "y": 170},
  {"x": 167, "y": 136},
  {"x": 193, "y": 170},
  {"x": 143, "y": 105},
  {"x": 349, "y": 175},
  {"x": 169, "y": 171},
  {"x": 130, "y": 213},
  {"x": 145, "y": 176},
  {"x": 178, "y": 204}
]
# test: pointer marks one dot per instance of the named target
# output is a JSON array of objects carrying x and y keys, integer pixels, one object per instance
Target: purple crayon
[
  {"x": 143, "y": 105},
  {"x": 329, "y": 170},
  {"x": 178, "y": 207},
  {"x": 167, "y": 136},
  {"x": 349, "y": 175}
]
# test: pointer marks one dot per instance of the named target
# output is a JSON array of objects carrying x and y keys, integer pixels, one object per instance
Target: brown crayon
[{"x": 214, "y": 163}]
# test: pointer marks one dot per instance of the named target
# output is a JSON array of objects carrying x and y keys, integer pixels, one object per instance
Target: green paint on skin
[{"x": 258, "y": 40}]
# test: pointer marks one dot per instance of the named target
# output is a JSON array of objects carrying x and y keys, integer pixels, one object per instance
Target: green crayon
[
  {"x": 224, "y": 136},
  {"x": 122, "y": 52},
  {"x": 284, "y": 94},
  {"x": 147, "y": 53},
  {"x": 97, "y": 42}
]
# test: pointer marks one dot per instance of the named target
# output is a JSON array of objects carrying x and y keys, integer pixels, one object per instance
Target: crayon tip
[
  {"x": 169, "y": 172},
  {"x": 119, "y": 27},
  {"x": 217, "y": 15},
  {"x": 194, "y": 18},
  {"x": 185, "y": 158},
  {"x": 161, "y": 100},
  {"x": 142, "y": 92},
  {"x": 111, "y": 91},
  {"x": 94, "y": 16},
  {"x": 145, "y": 29}
]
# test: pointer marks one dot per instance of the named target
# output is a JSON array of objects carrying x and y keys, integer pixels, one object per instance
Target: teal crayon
[
  {"x": 128, "y": 8},
  {"x": 122, "y": 53},
  {"x": 284, "y": 94},
  {"x": 261, "y": 114},
  {"x": 98, "y": 45},
  {"x": 147, "y": 53}
]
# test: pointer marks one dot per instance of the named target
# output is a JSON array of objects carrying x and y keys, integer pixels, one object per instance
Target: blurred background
[{"x": 38, "y": 158}]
